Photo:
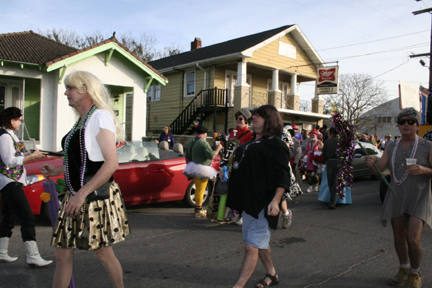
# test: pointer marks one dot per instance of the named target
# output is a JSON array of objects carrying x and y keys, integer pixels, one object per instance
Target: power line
[{"x": 383, "y": 39}]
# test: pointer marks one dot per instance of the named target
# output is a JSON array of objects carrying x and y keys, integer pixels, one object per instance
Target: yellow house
[{"x": 210, "y": 84}]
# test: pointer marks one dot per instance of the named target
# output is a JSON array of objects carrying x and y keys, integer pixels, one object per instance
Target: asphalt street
[{"x": 168, "y": 247}]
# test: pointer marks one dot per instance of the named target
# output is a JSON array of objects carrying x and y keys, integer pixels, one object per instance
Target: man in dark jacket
[{"x": 332, "y": 162}]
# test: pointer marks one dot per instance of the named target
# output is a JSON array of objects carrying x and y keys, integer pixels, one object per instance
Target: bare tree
[
  {"x": 171, "y": 50},
  {"x": 358, "y": 93},
  {"x": 66, "y": 37},
  {"x": 143, "y": 46}
]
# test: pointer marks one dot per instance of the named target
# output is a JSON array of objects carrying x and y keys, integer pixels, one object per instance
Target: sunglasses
[
  {"x": 239, "y": 118},
  {"x": 409, "y": 121}
]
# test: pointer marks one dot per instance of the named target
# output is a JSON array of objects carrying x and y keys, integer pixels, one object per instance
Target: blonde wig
[{"x": 86, "y": 82}]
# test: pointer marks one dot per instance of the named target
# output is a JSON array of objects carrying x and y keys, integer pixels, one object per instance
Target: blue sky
[{"x": 329, "y": 25}]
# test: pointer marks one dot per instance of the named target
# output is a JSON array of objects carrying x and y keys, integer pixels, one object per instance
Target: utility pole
[{"x": 429, "y": 101}]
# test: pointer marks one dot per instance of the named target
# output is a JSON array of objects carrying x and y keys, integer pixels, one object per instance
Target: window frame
[{"x": 186, "y": 84}]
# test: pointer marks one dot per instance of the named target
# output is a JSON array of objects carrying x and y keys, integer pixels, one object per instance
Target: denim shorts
[{"x": 256, "y": 232}]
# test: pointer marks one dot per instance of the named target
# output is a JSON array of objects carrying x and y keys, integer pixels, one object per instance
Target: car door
[{"x": 140, "y": 175}]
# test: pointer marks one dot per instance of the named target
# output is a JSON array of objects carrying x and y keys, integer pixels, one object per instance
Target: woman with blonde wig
[{"x": 86, "y": 220}]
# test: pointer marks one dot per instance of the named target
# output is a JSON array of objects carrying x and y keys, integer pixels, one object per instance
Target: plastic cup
[{"x": 410, "y": 162}]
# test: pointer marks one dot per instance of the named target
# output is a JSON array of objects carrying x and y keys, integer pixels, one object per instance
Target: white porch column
[
  {"x": 241, "y": 74},
  {"x": 294, "y": 84},
  {"x": 139, "y": 113},
  {"x": 275, "y": 81}
]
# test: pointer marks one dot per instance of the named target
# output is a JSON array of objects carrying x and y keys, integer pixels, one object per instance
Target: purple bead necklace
[{"x": 79, "y": 125}]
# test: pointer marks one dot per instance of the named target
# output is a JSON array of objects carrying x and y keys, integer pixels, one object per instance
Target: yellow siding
[{"x": 268, "y": 56}]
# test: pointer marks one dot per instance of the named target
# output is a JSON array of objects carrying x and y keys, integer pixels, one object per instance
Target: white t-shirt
[{"x": 100, "y": 119}]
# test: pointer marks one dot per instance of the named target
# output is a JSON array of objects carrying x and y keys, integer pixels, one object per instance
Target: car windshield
[{"x": 138, "y": 152}]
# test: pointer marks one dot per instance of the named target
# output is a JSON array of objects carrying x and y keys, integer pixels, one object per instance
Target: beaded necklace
[
  {"x": 413, "y": 152},
  {"x": 79, "y": 125}
]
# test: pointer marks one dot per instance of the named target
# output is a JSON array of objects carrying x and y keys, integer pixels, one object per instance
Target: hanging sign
[{"x": 328, "y": 80}]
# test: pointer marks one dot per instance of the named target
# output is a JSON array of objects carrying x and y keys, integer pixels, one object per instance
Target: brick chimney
[{"x": 196, "y": 44}]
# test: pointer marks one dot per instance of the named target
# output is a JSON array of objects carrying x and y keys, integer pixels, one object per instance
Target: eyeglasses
[
  {"x": 21, "y": 120},
  {"x": 409, "y": 121},
  {"x": 239, "y": 118}
]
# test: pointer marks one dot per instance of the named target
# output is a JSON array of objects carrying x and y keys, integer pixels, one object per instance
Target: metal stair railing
[{"x": 205, "y": 98}]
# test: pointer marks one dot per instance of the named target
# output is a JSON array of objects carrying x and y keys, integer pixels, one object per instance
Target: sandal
[{"x": 274, "y": 281}]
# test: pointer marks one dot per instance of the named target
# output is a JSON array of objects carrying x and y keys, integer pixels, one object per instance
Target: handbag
[{"x": 101, "y": 193}]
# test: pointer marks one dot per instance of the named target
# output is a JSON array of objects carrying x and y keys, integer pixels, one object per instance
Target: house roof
[
  {"x": 31, "y": 48},
  {"x": 243, "y": 45},
  {"x": 216, "y": 50}
]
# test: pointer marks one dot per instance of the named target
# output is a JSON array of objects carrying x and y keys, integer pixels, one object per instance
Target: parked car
[
  {"x": 359, "y": 162},
  {"x": 146, "y": 174}
]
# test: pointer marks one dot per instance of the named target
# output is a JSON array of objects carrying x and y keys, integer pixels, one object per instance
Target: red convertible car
[{"x": 146, "y": 174}]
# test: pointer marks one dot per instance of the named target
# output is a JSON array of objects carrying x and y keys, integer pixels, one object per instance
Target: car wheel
[
  {"x": 189, "y": 198},
  {"x": 383, "y": 188}
]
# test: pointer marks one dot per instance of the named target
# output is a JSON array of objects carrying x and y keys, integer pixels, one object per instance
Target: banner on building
[
  {"x": 409, "y": 96},
  {"x": 328, "y": 80}
]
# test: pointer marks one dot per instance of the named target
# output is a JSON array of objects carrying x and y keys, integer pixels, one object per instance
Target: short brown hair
[
  {"x": 273, "y": 124},
  {"x": 8, "y": 114}
]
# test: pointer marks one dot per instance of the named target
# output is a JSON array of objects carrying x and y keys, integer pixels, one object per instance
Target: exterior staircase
[{"x": 202, "y": 105}]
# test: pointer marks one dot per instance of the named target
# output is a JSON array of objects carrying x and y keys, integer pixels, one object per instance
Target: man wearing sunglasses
[
  {"x": 411, "y": 208},
  {"x": 242, "y": 132}
]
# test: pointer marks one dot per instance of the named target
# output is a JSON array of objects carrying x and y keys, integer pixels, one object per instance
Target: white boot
[
  {"x": 315, "y": 188},
  {"x": 4, "y": 257},
  {"x": 33, "y": 257},
  {"x": 309, "y": 190}
]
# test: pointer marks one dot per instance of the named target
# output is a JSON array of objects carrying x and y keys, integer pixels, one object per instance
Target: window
[
  {"x": 190, "y": 84},
  {"x": 154, "y": 92},
  {"x": 378, "y": 119},
  {"x": 384, "y": 119},
  {"x": 287, "y": 50},
  {"x": 389, "y": 120}
]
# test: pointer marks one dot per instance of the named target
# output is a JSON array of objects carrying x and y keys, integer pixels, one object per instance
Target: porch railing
[{"x": 258, "y": 98}]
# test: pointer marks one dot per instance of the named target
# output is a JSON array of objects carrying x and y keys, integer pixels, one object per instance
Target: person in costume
[
  {"x": 166, "y": 136},
  {"x": 89, "y": 152},
  {"x": 294, "y": 189},
  {"x": 14, "y": 201},
  {"x": 242, "y": 132},
  {"x": 410, "y": 210},
  {"x": 331, "y": 160},
  {"x": 263, "y": 162},
  {"x": 312, "y": 146},
  {"x": 198, "y": 156}
]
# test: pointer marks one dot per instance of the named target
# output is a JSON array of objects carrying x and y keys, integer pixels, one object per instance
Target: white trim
[{"x": 201, "y": 62}]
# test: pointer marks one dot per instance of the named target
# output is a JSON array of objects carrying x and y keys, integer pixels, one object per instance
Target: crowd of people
[{"x": 264, "y": 173}]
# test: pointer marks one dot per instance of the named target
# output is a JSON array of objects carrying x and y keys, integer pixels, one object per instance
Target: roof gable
[
  {"x": 31, "y": 48},
  {"x": 243, "y": 46}
]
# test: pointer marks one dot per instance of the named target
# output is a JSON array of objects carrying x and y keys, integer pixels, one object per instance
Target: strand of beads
[
  {"x": 345, "y": 152},
  {"x": 78, "y": 125}
]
